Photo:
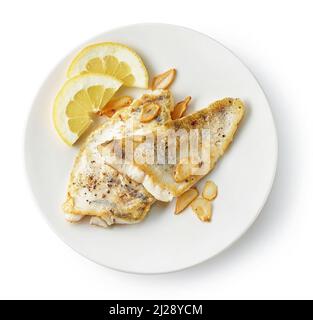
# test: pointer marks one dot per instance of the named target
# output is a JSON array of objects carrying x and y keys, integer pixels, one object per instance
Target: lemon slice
[
  {"x": 113, "y": 59},
  {"x": 78, "y": 100}
]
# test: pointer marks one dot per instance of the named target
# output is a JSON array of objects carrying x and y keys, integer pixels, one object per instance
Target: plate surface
[{"x": 207, "y": 71}]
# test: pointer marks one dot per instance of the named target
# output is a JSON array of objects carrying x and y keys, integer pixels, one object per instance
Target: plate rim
[{"x": 194, "y": 264}]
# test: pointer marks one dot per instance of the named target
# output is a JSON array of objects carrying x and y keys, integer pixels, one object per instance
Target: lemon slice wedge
[
  {"x": 77, "y": 101},
  {"x": 112, "y": 59}
]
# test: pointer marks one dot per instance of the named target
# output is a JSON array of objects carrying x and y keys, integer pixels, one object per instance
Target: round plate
[{"x": 163, "y": 242}]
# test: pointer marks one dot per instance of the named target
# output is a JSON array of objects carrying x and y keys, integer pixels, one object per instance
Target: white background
[{"x": 273, "y": 260}]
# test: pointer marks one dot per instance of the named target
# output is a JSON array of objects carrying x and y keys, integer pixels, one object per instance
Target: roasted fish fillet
[
  {"x": 221, "y": 119},
  {"x": 96, "y": 189}
]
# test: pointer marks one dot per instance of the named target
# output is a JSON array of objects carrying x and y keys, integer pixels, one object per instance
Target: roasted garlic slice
[
  {"x": 163, "y": 80},
  {"x": 203, "y": 209},
  {"x": 149, "y": 112},
  {"x": 210, "y": 191},
  {"x": 182, "y": 171},
  {"x": 185, "y": 199},
  {"x": 115, "y": 105},
  {"x": 185, "y": 168},
  {"x": 180, "y": 108}
]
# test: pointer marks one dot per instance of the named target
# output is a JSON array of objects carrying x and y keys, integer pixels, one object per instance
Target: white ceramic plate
[{"x": 207, "y": 71}]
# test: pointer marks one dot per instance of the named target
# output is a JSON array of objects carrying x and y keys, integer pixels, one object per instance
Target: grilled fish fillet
[
  {"x": 221, "y": 118},
  {"x": 96, "y": 189}
]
